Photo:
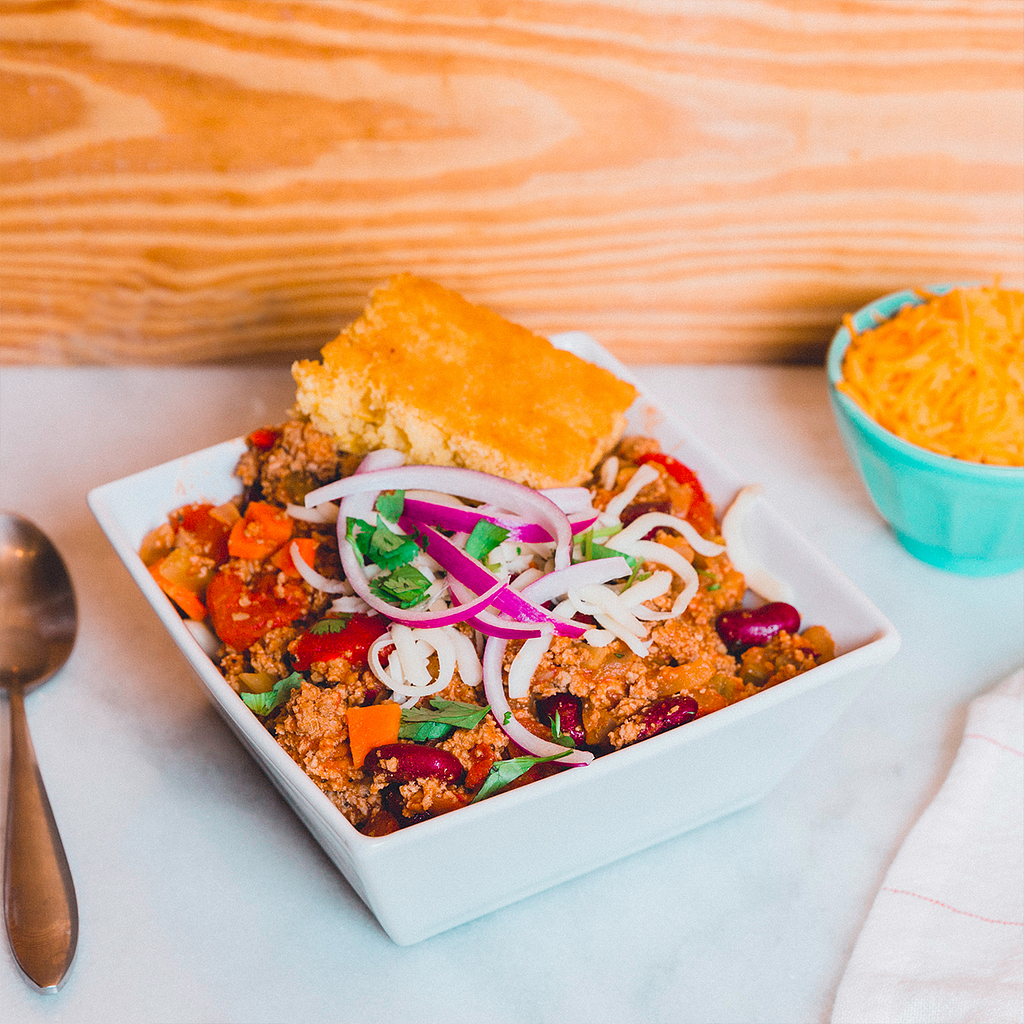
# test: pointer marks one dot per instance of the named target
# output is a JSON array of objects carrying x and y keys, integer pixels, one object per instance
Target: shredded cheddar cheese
[{"x": 947, "y": 375}]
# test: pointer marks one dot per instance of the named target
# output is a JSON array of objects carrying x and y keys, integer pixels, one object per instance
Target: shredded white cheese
[{"x": 758, "y": 578}]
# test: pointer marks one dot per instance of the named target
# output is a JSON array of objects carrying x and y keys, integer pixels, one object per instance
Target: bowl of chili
[{"x": 490, "y": 853}]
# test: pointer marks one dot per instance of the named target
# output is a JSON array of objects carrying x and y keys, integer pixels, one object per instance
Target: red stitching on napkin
[
  {"x": 1002, "y": 746},
  {"x": 946, "y": 906}
]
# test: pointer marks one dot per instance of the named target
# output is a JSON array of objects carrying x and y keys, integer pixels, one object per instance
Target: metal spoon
[{"x": 38, "y": 622}]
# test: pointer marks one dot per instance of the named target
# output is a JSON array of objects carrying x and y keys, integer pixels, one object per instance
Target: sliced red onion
[
  {"x": 525, "y": 663},
  {"x": 468, "y": 483},
  {"x": 463, "y": 519},
  {"x": 359, "y": 505},
  {"x": 492, "y": 625},
  {"x": 488, "y": 623},
  {"x": 471, "y": 573},
  {"x": 324, "y": 513},
  {"x": 312, "y": 577}
]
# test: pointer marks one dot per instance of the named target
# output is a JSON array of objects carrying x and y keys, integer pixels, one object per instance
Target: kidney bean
[
  {"x": 665, "y": 714},
  {"x": 570, "y": 718},
  {"x": 754, "y": 627},
  {"x": 407, "y": 761},
  {"x": 641, "y": 508}
]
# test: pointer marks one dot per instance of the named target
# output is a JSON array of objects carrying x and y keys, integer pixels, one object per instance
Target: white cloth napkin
[{"x": 944, "y": 941}]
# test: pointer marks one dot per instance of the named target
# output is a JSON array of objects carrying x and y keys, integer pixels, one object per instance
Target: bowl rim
[{"x": 895, "y": 302}]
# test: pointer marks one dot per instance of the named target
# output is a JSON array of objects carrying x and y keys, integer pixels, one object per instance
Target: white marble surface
[{"x": 202, "y": 898}]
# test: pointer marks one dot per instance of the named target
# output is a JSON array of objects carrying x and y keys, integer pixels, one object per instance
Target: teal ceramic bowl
[{"x": 964, "y": 517}]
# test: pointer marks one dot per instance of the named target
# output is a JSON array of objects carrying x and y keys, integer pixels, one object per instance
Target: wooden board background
[{"x": 707, "y": 180}]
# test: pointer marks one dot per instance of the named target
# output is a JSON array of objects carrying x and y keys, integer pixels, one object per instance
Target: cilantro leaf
[
  {"x": 358, "y": 533},
  {"x": 390, "y": 505},
  {"x": 504, "y": 772},
  {"x": 422, "y": 732},
  {"x": 380, "y": 544},
  {"x": 485, "y": 537},
  {"x": 421, "y": 724},
  {"x": 389, "y": 549},
  {"x": 264, "y": 703},
  {"x": 335, "y": 624},
  {"x": 404, "y": 587}
]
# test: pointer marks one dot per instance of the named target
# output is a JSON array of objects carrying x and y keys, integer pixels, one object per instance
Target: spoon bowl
[{"x": 38, "y": 623}]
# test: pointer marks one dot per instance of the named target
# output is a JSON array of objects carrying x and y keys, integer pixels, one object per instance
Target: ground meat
[
  {"x": 268, "y": 654},
  {"x": 466, "y": 744},
  {"x": 780, "y": 659},
  {"x": 612, "y": 687},
  {"x": 300, "y": 459},
  {"x": 313, "y": 729}
]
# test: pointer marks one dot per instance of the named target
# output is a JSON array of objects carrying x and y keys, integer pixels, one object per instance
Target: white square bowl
[{"x": 563, "y": 826}]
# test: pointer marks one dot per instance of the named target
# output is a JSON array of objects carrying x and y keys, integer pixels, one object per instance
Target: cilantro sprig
[
  {"x": 334, "y": 624},
  {"x": 440, "y": 720},
  {"x": 504, "y": 772},
  {"x": 405, "y": 586},
  {"x": 401, "y": 583},
  {"x": 380, "y": 544},
  {"x": 264, "y": 703}
]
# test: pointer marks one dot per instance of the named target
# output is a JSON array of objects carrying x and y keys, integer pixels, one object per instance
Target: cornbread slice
[{"x": 449, "y": 383}]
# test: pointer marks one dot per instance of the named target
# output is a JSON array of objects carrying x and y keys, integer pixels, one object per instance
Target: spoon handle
[{"x": 39, "y": 895}]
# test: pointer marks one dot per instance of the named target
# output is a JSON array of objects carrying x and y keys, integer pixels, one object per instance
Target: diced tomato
[
  {"x": 701, "y": 512},
  {"x": 264, "y": 438},
  {"x": 261, "y": 532},
  {"x": 242, "y": 612},
  {"x": 351, "y": 643},
  {"x": 483, "y": 759},
  {"x": 200, "y": 531},
  {"x": 282, "y": 558}
]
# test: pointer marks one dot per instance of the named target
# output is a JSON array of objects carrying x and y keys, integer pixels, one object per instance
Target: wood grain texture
[{"x": 705, "y": 180}]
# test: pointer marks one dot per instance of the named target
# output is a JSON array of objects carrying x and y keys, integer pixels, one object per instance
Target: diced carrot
[
  {"x": 372, "y": 727},
  {"x": 184, "y": 598},
  {"x": 282, "y": 558},
  {"x": 263, "y": 530}
]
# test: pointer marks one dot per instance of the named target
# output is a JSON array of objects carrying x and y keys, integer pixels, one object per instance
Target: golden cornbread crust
[{"x": 426, "y": 372}]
